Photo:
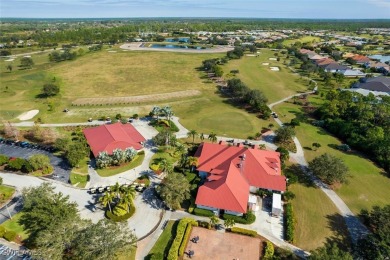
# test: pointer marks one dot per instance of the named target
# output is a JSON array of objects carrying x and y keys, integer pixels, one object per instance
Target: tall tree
[
  {"x": 174, "y": 190},
  {"x": 284, "y": 134},
  {"x": 330, "y": 251},
  {"x": 107, "y": 199},
  {"x": 329, "y": 168},
  {"x": 192, "y": 133},
  {"x": 102, "y": 240},
  {"x": 26, "y": 62},
  {"x": 44, "y": 210},
  {"x": 212, "y": 137}
]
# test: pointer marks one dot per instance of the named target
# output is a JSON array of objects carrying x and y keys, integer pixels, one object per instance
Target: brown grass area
[{"x": 135, "y": 99}]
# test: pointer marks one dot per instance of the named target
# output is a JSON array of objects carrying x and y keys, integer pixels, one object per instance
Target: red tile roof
[
  {"x": 360, "y": 58},
  {"x": 225, "y": 191},
  {"x": 110, "y": 137},
  {"x": 222, "y": 163}
]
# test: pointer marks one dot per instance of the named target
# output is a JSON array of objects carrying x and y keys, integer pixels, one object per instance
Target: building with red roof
[
  {"x": 232, "y": 172},
  {"x": 113, "y": 136}
]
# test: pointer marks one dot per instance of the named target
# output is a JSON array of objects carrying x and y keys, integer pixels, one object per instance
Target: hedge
[
  {"x": 3, "y": 159},
  {"x": 192, "y": 206},
  {"x": 124, "y": 217},
  {"x": 2, "y": 231},
  {"x": 10, "y": 235},
  {"x": 247, "y": 218},
  {"x": 243, "y": 231},
  {"x": 204, "y": 224},
  {"x": 269, "y": 250},
  {"x": 181, "y": 229},
  {"x": 289, "y": 223},
  {"x": 186, "y": 237},
  {"x": 203, "y": 212}
]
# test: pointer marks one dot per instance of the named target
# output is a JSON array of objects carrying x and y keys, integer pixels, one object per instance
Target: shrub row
[
  {"x": 3, "y": 159},
  {"x": 181, "y": 229},
  {"x": 204, "y": 224},
  {"x": 124, "y": 217},
  {"x": 9, "y": 235},
  {"x": 203, "y": 212},
  {"x": 243, "y": 231},
  {"x": 289, "y": 223},
  {"x": 192, "y": 206},
  {"x": 186, "y": 237},
  {"x": 247, "y": 218},
  {"x": 269, "y": 250}
]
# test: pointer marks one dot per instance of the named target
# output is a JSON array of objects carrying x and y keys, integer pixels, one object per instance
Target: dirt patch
[
  {"x": 28, "y": 115},
  {"x": 135, "y": 99}
]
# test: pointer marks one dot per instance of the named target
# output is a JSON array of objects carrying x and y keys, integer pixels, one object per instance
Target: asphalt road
[{"x": 61, "y": 168}]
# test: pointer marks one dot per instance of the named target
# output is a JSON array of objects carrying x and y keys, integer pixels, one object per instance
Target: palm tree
[
  {"x": 166, "y": 165},
  {"x": 214, "y": 220},
  {"x": 213, "y": 137},
  {"x": 201, "y": 136},
  {"x": 228, "y": 223},
  {"x": 107, "y": 199},
  {"x": 127, "y": 197},
  {"x": 192, "y": 133},
  {"x": 192, "y": 162},
  {"x": 116, "y": 189}
]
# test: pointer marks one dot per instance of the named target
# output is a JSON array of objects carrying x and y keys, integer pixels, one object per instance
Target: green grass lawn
[
  {"x": 317, "y": 218},
  {"x": 367, "y": 186},
  {"x": 12, "y": 224},
  {"x": 304, "y": 39},
  {"x": 79, "y": 179},
  {"x": 275, "y": 84},
  {"x": 6, "y": 193},
  {"x": 137, "y": 161},
  {"x": 165, "y": 240}
]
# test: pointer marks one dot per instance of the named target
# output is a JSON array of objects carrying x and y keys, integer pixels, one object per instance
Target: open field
[
  {"x": 275, "y": 84},
  {"x": 317, "y": 218},
  {"x": 304, "y": 39},
  {"x": 367, "y": 186}
]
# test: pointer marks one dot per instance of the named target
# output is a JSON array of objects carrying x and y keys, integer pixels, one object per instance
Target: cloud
[{"x": 381, "y": 3}]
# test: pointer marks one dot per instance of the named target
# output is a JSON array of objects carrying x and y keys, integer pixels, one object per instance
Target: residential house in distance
[
  {"x": 352, "y": 73},
  {"x": 360, "y": 59},
  {"x": 335, "y": 67},
  {"x": 113, "y": 136},
  {"x": 378, "y": 84},
  {"x": 232, "y": 172}
]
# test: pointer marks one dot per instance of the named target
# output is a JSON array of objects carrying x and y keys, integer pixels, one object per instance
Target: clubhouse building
[{"x": 231, "y": 173}]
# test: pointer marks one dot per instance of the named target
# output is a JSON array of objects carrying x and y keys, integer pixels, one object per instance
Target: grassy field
[
  {"x": 12, "y": 224},
  {"x": 304, "y": 39},
  {"x": 367, "y": 186},
  {"x": 317, "y": 218},
  {"x": 137, "y": 161},
  {"x": 163, "y": 244},
  {"x": 275, "y": 84},
  {"x": 5, "y": 193},
  {"x": 79, "y": 179}
]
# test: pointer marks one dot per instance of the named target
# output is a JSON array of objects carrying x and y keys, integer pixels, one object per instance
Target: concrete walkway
[{"x": 355, "y": 228}]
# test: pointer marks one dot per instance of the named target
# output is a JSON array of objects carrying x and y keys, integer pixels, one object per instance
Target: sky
[{"x": 317, "y": 9}]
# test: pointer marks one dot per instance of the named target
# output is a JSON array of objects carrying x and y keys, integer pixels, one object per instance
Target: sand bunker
[
  {"x": 272, "y": 59},
  {"x": 258, "y": 52},
  {"x": 251, "y": 55},
  {"x": 27, "y": 56},
  {"x": 265, "y": 63},
  {"x": 28, "y": 115},
  {"x": 10, "y": 60},
  {"x": 274, "y": 68},
  {"x": 111, "y": 51}
]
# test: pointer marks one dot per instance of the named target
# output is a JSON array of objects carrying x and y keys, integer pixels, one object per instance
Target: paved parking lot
[{"x": 61, "y": 168}]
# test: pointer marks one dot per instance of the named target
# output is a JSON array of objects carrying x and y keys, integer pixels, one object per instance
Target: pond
[{"x": 171, "y": 46}]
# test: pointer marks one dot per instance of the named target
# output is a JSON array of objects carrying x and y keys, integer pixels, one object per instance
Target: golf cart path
[{"x": 355, "y": 228}]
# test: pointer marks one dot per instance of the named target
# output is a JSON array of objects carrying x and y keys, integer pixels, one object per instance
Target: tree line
[{"x": 362, "y": 121}]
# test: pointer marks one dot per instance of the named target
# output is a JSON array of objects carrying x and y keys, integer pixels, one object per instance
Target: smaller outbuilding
[
  {"x": 276, "y": 204},
  {"x": 107, "y": 138}
]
